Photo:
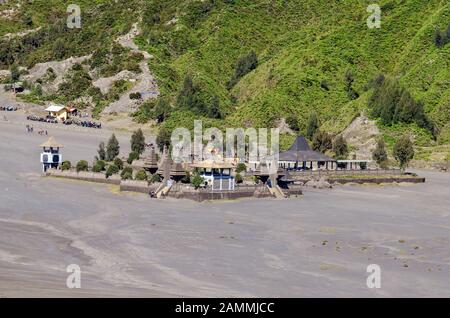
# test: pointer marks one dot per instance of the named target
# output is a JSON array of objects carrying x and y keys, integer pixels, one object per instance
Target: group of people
[
  {"x": 8, "y": 108},
  {"x": 30, "y": 130},
  {"x": 83, "y": 123},
  {"x": 47, "y": 119}
]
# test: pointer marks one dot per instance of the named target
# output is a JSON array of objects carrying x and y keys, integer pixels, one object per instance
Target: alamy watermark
[
  {"x": 74, "y": 17},
  {"x": 74, "y": 279},
  {"x": 374, "y": 279},
  {"x": 374, "y": 20},
  {"x": 239, "y": 144}
]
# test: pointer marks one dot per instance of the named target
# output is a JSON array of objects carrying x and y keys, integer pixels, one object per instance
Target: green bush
[
  {"x": 112, "y": 169},
  {"x": 241, "y": 167},
  {"x": 141, "y": 175},
  {"x": 154, "y": 178},
  {"x": 197, "y": 181},
  {"x": 66, "y": 165},
  {"x": 82, "y": 165},
  {"x": 238, "y": 178},
  {"x": 127, "y": 173},
  {"x": 99, "y": 166},
  {"x": 119, "y": 163}
]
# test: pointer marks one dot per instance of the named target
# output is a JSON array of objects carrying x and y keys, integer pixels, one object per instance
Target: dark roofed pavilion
[{"x": 300, "y": 151}]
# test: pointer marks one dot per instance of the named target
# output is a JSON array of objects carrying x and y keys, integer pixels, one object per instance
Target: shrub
[
  {"x": 66, "y": 165},
  {"x": 241, "y": 167},
  {"x": 154, "y": 178},
  {"x": 239, "y": 178},
  {"x": 82, "y": 165},
  {"x": 136, "y": 95},
  {"x": 197, "y": 181},
  {"x": 141, "y": 175},
  {"x": 119, "y": 163},
  {"x": 99, "y": 166},
  {"x": 112, "y": 169},
  {"x": 186, "y": 178},
  {"x": 127, "y": 173},
  {"x": 132, "y": 157}
]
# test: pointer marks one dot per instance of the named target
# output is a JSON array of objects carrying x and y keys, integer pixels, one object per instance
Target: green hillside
[{"x": 304, "y": 50}]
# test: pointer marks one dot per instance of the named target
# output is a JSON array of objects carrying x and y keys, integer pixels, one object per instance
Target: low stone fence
[
  {"x": 377, "y": 180},
  {"x": 84, "y": 176},
  {"x": 138, "y": 186},
  {"x": 199, "y": 195}
]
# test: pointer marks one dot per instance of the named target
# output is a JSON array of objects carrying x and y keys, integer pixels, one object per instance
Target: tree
[
  {"x": 214, "y": 110},
  {"x": 340, "y": 147},
  {"x": 447, "y": 33},
  {"x": 349, "y": 79},
  {"x": 322, "y": 141},
  {"x": 292, "y": 123},
  {"x": 403, "y": 151},
  {"x": 138, "y": 142},
  {"x": 163, "y": 138},
  {"x": 244, "y": 65},
  {"x": 101, "y": 151},
  {"x": 379, "y": 154},
  {"x": 82, "y": 165},
  {"x": 313, "y": 125},
  {"x": 132, "y": 157},
  {"x": 113, "y": 148},
  {"x": 439, "y": 38},
  {"x": 15, "y": 74}
]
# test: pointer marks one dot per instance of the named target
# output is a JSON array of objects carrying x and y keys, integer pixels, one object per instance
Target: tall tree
[
  {"x": 379, "y": 154},
  {"x": 101, "y": 151},
  {"x": 112, "y": 148},
  {"x": 163, "y": 138},
  {"x": 138, "y": 142},
  {"x": 15, "y": 74},
  {"x": 322, "y": 141},
  {"x": 403, "y": 151},
  {"x": 340, "y": 147}
]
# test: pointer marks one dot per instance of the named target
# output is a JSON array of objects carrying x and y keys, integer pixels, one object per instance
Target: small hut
[
  {"x": 217, "y": 174},
  {"x": 50, "y": 156}
]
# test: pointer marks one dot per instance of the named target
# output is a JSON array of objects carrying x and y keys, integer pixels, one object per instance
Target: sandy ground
[{"x": 129, "y": 245}]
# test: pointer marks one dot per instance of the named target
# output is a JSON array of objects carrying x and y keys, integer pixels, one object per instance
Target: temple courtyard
[{"x": 129, "y": 245}]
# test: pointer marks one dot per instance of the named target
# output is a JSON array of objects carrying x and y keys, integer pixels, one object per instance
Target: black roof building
[{"x": 301, "y": 152}]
